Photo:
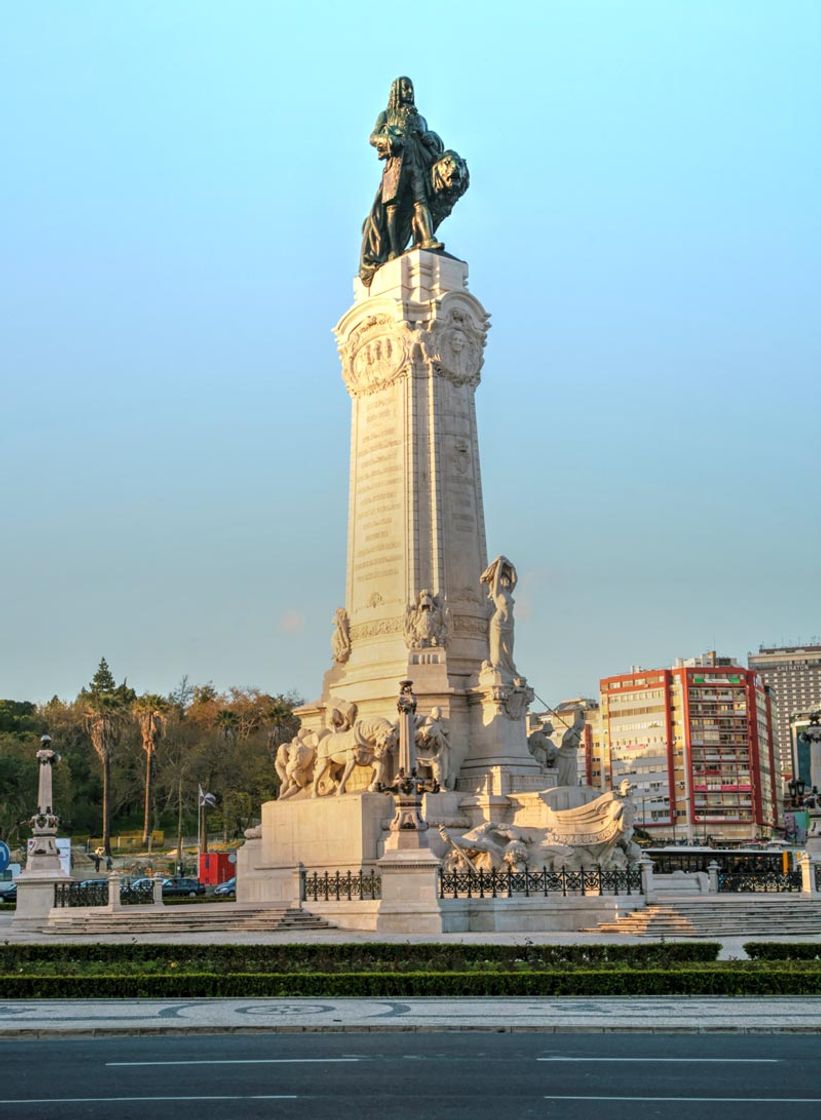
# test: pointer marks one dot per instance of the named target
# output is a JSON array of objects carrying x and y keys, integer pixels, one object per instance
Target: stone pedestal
[
  {"x": 410, "y": 892},
  {"x": 331, "y": 833},
  {"x": 35, "y": 897},
  {"x": 813, "y": 843}
]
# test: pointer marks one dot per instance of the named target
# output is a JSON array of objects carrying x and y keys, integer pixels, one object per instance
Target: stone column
[
  {"x": 712, "y": 874},
  {"x": 646, "y": 869},
  {"x": 808, "y": 864},
  {"x": 114, "y": 891},
  {"x": 412, "y": 352},
  {"x": 157, "y": 890},
  {"x": 35, "y": 885}
]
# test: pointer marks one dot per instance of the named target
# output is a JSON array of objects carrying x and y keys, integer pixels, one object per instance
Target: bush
[
  {"x": 725, "y": 978},
  {"x": 357, "y": 957},
  {"x": 781, "y": 951}
]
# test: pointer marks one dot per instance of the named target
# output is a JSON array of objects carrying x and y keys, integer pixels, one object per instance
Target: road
[{"x": 456, "y": 1075}]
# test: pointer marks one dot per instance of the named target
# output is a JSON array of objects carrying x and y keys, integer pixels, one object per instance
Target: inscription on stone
[{"x": 378, "y": 492}]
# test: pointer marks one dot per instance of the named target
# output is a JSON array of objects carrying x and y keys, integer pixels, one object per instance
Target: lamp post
[
  {"x": 796, "y": 788},
  {"x": 408, "y": 823}
]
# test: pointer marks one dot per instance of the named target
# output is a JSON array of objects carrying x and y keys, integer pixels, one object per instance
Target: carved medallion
[
  {"x": 374, "y": 354},
  {"x": 455, "y": 345}
]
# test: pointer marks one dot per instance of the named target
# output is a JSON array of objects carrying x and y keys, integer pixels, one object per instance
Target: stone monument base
[{"x": 352, "y": 833}]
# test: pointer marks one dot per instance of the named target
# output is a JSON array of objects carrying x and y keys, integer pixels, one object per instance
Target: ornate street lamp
[
  {"x": 796, "y": 788},
  {"x": 408, "y": 787}
]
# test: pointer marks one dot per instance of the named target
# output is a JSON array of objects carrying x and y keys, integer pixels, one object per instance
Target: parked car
[
  {"x": 178, "y": 887},
  {"x": 94, "y": 882},
  {"x": 139, "y": 884},
  {"x": 228, "y": 888},
  {"x": 9, "y": 895}
]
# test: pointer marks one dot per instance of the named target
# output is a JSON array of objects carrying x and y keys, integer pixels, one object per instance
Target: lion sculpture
[{"x": 448, "y": 180}]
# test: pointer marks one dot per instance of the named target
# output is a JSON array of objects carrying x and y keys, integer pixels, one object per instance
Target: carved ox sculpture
[{"x": 368, "y": 743}]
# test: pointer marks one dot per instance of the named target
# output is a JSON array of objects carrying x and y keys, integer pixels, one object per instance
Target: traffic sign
[{"x": 5, "y": 856}]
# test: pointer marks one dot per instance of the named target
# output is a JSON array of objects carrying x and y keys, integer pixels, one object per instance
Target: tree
[
  {"x": 151, "y": 713},
  {"x": 106, "y": 705}
]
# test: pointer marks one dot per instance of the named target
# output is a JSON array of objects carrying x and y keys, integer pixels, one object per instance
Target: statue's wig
[{"x": 393, "y": 96}]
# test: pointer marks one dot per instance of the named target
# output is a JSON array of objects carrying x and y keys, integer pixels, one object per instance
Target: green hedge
[
  {"x": 356, "y": 957},
  {"x": 727, "y": 978},
  {"x": 782, "y": 951}
]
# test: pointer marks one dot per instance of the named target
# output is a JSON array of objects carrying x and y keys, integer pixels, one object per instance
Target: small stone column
[
  {"x": 157, "y": 889},
  {"x": 646, "y": 869},
  {"x": 808, "y": 865},
  {"x": 712, "y": 874},
  {"x": 114, "y": 891}
]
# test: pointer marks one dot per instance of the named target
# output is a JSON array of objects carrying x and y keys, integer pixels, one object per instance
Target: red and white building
[{"x": 696, "y": 741}]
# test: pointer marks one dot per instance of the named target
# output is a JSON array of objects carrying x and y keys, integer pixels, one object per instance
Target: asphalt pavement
[{"x": 402, "y": 1076}]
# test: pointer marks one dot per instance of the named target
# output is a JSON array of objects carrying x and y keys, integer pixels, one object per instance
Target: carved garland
[{"x": 377, "y": 629}]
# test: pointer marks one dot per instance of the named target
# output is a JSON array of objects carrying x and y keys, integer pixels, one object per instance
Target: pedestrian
[
  {"x": 109, "y": 863},
  {"x": 96, "y": 859}
]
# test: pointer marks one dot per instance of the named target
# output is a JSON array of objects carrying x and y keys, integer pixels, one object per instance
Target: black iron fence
[
  {"x": 666, "y": 861},
  {"x": 759, "y": 882},
  {"x": 326, "y": 886},
  {"x": 564, "y": 882},
  {"x": 140, "y": 895},
  {"x": 79, "y": 894}
]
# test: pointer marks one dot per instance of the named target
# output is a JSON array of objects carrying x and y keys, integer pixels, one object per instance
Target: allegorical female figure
[{"x": 501, "y": 579}]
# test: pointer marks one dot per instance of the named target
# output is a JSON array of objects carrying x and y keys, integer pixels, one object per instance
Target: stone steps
[
  {"x": 750, "y": 916},
  {"x": 272, "y": 919}
]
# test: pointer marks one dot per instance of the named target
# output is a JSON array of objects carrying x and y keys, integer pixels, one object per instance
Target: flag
[{"x": 207, "y": 800}]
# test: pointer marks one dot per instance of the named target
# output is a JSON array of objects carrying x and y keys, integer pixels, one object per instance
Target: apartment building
[
  {"x": 794, "y": 676},
  {"x": 696, "y": 742}
]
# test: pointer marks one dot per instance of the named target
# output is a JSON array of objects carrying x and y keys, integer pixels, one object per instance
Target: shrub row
[
  {"x": 357, "y": 956},
  {"x": 730, "y": 980},
  {"x": 782, "y": 951}
]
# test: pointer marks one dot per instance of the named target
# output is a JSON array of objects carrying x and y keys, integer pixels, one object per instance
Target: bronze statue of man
[
  {"x": 402, "y": 139},
  {"x": 420, "y": 183}
]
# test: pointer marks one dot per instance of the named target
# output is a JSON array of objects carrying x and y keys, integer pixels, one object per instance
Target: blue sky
[{"x": 182, "y": 194}]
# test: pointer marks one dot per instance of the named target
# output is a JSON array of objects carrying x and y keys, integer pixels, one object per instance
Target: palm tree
[
  {"x": 227, "y": 723},
  {"x": 151, "y": 713},
  {"x": 105, "y": 706}
]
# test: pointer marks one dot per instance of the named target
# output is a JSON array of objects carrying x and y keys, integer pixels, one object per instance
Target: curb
[{"x": 143, "y": 1032}]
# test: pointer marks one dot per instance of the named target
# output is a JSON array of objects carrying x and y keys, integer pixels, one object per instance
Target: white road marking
[
  {"x": 721, "y": 1100},
  {"x": 117, "y": 1100},
  {"x": 238, "y": 1062},
  {"x": 723, "y": 1061}
]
